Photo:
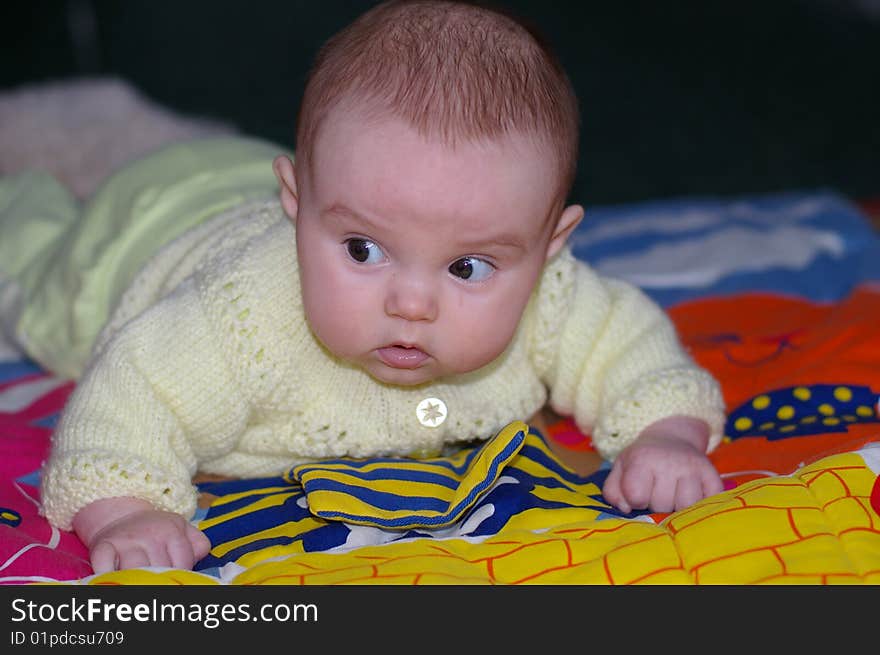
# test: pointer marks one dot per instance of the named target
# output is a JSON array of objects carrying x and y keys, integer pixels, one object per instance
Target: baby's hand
[
  {"x": 664, "y": 470},
  {"x": 126, "y": 533}
]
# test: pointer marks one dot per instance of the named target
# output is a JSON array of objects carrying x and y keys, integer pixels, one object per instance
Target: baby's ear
[
  {"x": 286, "y": 175},
  {"x": 565, "y": 225}
]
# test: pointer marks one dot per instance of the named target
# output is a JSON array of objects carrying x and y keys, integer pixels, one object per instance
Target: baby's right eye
[{"x": 364, "y": 251}]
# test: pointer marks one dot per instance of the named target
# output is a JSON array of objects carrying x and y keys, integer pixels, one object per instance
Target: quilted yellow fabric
[{"x": 816, "y": 526}]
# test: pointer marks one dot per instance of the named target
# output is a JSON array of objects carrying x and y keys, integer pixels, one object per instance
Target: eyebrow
[
  {"x": 503, "y": 240},
  {"x": 343, "y": 211}
]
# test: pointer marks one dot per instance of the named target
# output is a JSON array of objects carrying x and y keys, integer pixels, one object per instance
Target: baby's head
[{"x": 436, "y": 145}]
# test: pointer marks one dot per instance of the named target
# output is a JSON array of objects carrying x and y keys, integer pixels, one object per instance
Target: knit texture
[{"x": 208, "y": 365}]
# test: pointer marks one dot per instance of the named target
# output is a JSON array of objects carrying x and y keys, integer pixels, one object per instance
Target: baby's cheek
[
  {"x": 480, "y": 335},
  {"x": 335, "y": 321},
  {"x": 334, "y": 304}
]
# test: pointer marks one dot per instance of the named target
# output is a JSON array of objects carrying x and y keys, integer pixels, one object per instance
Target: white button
[{"x": 431, "y": 412}]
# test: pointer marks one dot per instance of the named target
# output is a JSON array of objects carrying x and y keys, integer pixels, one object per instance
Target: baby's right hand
[{"x": 126, "y": 533}]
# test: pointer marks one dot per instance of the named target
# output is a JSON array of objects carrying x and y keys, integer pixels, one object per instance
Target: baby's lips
[{"x": 402, "y": 357}]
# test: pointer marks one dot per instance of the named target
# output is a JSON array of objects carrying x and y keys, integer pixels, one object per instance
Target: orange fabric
[{"x": 759, "y": 344}]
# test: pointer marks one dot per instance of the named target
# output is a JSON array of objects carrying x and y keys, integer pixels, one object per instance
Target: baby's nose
[{"x": 411, "y": 300}]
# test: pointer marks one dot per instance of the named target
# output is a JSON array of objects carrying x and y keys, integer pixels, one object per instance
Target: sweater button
[{"x": 431, "y": 412}]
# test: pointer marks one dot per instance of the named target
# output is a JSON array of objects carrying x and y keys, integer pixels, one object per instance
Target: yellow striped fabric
[{"x": 400, "y": 493}]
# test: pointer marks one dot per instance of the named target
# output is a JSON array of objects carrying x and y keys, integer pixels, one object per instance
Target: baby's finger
[
  {"x": 133, "y": 557},
  {"x": 157, "y": 554},
  {"x": 663, "y": 495},
  {"x": 180, "y": 554},
  {"x": 637, "y": 486},
  {"x": 199, "y": 541},
  {"x": 712, "y": 482},
  {"x": 688, "y": 490},
  {"x": 611, "y": 489},
  {"x": 104, "y": 557}
]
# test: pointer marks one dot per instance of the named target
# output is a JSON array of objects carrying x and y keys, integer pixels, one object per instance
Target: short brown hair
[{"x": 453, "y": 70}]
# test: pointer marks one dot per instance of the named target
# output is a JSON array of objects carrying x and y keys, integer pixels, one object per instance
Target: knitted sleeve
[
  {"x": 612, "y": 358},
  {"x": 157, "y": 399}
]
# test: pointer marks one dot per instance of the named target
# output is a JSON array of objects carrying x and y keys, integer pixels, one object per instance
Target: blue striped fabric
[
  {"x": 403, "y": 493},
  {"x": 346, "y": 503}
]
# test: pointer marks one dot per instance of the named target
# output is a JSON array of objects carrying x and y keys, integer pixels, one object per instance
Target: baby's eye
[
  {"x": 471, "y": 269},
  {"x": 364, "y": 251}
]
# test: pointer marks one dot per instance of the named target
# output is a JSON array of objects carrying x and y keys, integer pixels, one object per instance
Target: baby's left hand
[{"x": 666, "y": 469}]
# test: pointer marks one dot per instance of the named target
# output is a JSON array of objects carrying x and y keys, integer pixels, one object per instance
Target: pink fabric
[{"x": 30, "y": 549}]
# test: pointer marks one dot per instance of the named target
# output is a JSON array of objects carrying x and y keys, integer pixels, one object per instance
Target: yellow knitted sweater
[{"x": 208, "y": 365}]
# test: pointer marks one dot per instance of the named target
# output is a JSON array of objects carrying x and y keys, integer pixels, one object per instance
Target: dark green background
[{"x": 678, "y": 97}]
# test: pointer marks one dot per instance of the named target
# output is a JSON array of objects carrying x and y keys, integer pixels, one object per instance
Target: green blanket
[{"x": 63, "y": 265}]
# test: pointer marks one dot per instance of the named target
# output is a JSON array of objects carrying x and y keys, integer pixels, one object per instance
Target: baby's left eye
[{"x": 471, "y": 269}]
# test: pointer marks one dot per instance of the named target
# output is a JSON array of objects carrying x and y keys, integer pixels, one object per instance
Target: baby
[{"x": 410, "y": 289}]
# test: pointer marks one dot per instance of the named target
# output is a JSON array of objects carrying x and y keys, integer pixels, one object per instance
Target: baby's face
[{"x": 416, "y": 259}]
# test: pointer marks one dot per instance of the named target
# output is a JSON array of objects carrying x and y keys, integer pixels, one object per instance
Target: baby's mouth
[{"x": 402, "y": 356}]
